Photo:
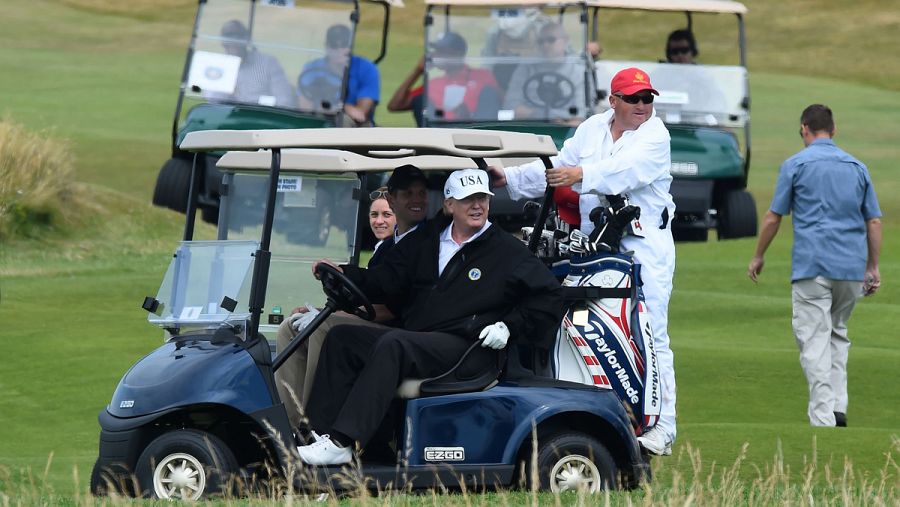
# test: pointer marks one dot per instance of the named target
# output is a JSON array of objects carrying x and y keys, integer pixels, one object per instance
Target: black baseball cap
[
  {"x": 450, "y": 42},
  {"x": 404, "y": 176}
]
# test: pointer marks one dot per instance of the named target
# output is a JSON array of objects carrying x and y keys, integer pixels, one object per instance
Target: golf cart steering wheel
[
  {"x": 548, "y": 90},
  {"x": 320, "y": 85},
  {"x": 345, "y": 294}
]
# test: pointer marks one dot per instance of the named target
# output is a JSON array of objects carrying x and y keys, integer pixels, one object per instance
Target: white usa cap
[{"x": 462, "y": 184}]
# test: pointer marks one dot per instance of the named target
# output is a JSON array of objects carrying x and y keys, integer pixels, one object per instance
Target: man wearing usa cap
[
  {"x": 461, "y": 279},
  {"x": 624, "y": 150}
]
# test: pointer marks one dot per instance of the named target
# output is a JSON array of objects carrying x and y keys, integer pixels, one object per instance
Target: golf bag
[{"x": 605, "y": 338}]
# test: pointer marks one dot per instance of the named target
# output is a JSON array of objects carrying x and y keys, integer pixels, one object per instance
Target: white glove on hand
[
  {"x": 495, "y": 336},
  {"x": 301, "y": 320}
]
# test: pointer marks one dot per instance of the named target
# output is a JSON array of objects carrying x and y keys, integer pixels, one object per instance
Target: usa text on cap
[{"x": 462, "y": 184}]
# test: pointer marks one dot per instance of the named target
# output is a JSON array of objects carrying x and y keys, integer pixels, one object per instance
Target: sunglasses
[
  {"x": 679, "y": 51},
  {"x": 646, "y": 98},
  {"x": 550, "y": 39},
  {"x": 378, "y": 194}
]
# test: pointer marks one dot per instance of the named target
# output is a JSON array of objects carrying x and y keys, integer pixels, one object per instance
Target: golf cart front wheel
[
  {"x": 185, "y": 465},
  {"x": 111, "y": 479},
  {"x": 575, "y": 462},
  {"x": 173, "y": 184}
]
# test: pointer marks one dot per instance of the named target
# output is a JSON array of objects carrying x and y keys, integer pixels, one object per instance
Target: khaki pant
[
  {"x": 299, "y": 370},
  {"x": 821, "y": 310}
]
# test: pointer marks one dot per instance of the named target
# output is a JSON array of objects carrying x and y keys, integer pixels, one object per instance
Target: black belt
[{"x": 587, "y": 293}]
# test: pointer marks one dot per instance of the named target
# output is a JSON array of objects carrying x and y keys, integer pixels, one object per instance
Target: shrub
[{"x": 36, "y": 181}]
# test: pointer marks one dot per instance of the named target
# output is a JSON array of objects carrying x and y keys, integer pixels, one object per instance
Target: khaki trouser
[
  {"x": 300, "y": 369},
  {"x": 821, "y": 308}
]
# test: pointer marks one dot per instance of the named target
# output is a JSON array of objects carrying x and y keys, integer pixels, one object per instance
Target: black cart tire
[
  {"x": 173, "y": 184},
  {"x": 187, "y": 465},
  {"x": 690, "y": 235},
  {"x": 737, "y": 217},
  {"x": 575, "y": 461},
  {"x": 113, "y": 479}
]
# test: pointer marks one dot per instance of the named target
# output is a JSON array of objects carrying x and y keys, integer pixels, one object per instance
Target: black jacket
[{"x": 493, "y": 278}]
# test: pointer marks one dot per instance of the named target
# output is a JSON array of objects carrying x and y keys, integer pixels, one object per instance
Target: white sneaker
[
  {"x": 656, "y": 441},
  {"x": 324, "y": 452}
]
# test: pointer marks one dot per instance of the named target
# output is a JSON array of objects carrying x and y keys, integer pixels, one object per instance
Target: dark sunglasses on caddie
[
  {"x": 679, "y": 50},
  {"x": 378, "y": 194},
  {"x": 646, "y": 98}
]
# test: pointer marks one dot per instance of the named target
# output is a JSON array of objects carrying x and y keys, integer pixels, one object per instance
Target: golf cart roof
[
  {"x": 505, "y": 3},
  {"x": 375, "y": 141},
  {"x": 716, "y": 6},
  {"x": 336, "y": 161}
]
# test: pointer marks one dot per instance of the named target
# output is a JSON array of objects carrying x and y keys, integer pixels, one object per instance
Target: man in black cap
[
  {"x": 462, "y": 92},
  {"x": 407, "y": 195},
  {"x": 321, "y": 80},
  {"x": 260, "y": 78}
]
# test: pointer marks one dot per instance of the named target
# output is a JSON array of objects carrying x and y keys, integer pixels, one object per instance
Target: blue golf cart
[{"x": 201, "y": 416}]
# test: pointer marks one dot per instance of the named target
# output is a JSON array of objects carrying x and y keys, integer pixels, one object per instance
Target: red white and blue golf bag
[{"x": 605, "y": 338}]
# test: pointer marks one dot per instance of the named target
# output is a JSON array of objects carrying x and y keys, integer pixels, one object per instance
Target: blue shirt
[
  {"x": 831, "y": 197},
  {"x": 363, "y": 81}
]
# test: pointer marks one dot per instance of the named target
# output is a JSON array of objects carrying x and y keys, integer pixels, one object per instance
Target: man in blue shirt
[
  {"x": 320, "y": 80},
  {"x": 837, "y": 241}
]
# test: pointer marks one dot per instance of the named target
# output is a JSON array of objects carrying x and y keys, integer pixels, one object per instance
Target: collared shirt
[
  {"x": 449, "y": 247},
  {"x": 830, "y": 194},
  {"x": 636, "y": 165},
  {"x": 398, "y": 237},
  {"x": 363, "y": 81},
  {"x": 464, "y": 87},
  {"x": 260, "y": 75}
]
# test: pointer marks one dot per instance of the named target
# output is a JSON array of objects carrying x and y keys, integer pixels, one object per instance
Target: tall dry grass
[
  {"x": 37, "y": 183},
  {"x": 703, "y": 484}
]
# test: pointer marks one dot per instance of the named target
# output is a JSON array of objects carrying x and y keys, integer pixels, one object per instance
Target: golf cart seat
[{"x": 453, "y": 381}]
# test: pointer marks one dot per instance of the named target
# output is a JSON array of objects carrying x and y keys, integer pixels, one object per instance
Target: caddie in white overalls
[{"x": 624, "y": 150}]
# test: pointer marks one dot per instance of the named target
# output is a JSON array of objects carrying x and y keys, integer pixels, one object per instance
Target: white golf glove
[
  {"x": 495, "y": 336},
  {"x": 299, "y": 320}
]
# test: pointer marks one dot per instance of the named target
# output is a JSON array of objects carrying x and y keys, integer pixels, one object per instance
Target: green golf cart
[
  {"x": 259, "y": 64},
  {"x": 705, "y": 104}
]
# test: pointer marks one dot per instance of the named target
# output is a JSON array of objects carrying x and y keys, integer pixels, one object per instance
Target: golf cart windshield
[
  {"x": 704, "y": 83},
  {"x": 688, "y": 94},
  {"x": 292, "y": 57},
  {"x": 501, "y": 64},
  {"x": 315, "y": 218},
  {"x": 207, "y": 283}
]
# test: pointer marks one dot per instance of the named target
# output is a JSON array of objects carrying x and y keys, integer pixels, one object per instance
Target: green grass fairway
[{"x": 106, "y": 79}]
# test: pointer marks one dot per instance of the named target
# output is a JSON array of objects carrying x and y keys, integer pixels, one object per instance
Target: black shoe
[{"x": 840, "y": 419}]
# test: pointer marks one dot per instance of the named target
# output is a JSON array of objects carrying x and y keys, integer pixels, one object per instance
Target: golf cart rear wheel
[
  {"x": 186, "y": 465},
  {"x": 574, "y": 461},
  {"x": 173, "y": 184},
  {"x": 737, "y": 217}
]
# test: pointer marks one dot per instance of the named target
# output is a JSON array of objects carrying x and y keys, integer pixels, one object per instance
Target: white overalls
[{"x": 636, "y": 166}]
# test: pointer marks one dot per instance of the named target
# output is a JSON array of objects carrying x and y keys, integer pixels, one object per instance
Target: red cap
[
  {"x": 630, "y": 81},
  {"x": 566, "y": 201}
]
